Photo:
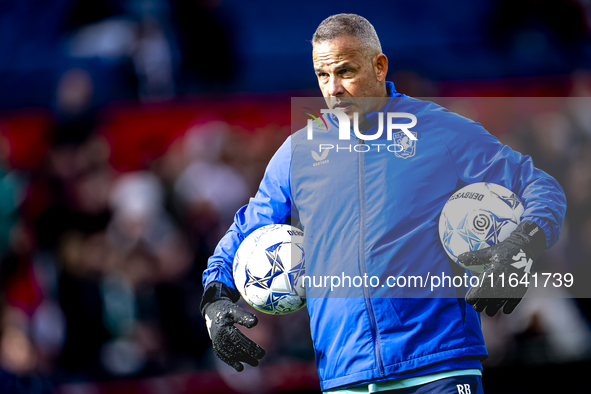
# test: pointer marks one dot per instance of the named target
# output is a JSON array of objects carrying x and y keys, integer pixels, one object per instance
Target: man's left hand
[{"x": 513, "y": 256}]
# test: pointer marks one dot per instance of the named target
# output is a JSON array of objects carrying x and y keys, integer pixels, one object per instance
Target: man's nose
[{"x": 335, "y": 88}]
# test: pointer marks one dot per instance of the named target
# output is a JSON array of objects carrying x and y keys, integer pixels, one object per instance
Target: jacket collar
[{"x": 372, "y": 117}]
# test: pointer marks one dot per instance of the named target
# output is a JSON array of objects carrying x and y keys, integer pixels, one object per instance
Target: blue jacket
[{"x": 376, "y": 213}]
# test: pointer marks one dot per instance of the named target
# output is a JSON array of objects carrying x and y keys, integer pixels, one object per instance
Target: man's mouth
[{"x": 345, "y": 107}]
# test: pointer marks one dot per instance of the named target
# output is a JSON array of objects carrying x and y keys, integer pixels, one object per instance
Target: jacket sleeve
[
  {"x": 270, "y": 205},
  {"x": 480, "y": 157}
]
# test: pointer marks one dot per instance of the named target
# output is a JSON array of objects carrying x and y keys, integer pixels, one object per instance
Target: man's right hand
[{"x": 230, "y": 345}]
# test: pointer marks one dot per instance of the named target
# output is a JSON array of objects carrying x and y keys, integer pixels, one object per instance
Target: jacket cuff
[
  {"x": 531, "y": 236},
  {"x": 216, "y": 291}
]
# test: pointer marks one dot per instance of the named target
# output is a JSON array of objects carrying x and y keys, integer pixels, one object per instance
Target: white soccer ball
[
  {"x": 269, "y": 267},
  {"x": 476, "y": 217}
]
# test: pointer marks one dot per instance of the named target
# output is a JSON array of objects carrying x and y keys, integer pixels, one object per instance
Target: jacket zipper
[{"x": 362, "y": 264}]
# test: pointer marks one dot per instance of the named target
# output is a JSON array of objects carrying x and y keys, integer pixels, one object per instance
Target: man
[{"x": 375, "y": 212}]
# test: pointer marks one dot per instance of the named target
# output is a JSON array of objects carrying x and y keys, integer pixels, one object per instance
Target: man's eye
[
  {"x": 322, "y": 75},
  {"x": 345, "y": 71}
]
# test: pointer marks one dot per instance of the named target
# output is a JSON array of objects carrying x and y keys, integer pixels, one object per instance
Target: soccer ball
[
  {"x": 476, "y": 217},
  {"x": 268, "y": 269}
]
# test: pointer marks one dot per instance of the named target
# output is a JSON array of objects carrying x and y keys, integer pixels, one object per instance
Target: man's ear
[{"x": 380, "y": 67}]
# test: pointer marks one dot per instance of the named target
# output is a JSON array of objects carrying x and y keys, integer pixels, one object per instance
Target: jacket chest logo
[{"x": 405, "y": 147}]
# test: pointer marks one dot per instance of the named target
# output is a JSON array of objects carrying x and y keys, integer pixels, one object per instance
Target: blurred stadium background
[{"x": 132, "y": 130}]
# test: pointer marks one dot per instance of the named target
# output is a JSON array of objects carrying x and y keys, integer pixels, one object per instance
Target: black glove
[
  {"x": 514, "y": 255},
  {"x": 220, "y": 314}
]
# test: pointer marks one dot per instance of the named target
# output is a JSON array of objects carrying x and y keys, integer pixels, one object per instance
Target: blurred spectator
[{"x": 74, "y": 107}]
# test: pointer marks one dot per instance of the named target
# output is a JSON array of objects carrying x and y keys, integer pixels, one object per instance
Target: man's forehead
[{"x": 338, "y": 50}]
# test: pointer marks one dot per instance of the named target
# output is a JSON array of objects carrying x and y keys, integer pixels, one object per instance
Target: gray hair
[{"x": 349, "y": 25}]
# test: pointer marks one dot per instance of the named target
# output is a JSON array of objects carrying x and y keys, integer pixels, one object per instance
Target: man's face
[{"x": 345, "y": 74}]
